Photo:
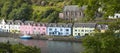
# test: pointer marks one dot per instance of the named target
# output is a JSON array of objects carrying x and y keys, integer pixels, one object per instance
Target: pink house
[
  {"x": 26, "y": 28},
  {"x": 29, "y": 27},
  {"x": 39, "y": 28}
]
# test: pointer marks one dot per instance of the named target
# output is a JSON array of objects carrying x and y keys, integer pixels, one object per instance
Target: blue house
[{"x": 59, "y": 29}]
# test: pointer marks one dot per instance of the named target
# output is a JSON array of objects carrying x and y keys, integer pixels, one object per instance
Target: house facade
[
  {"x": 82, "y": 29},
  {"x": 102, "y": 27},
  {"x": 14, "y": 26},
  {"x": 39, "y": 28},
  {"x": 115, "y": 16},
  {"x": 4, "y": 26},
  {"x": 72, "y": 12},
  {"x": 59, "y": 29},
  {"x": 26, "y": 27}
]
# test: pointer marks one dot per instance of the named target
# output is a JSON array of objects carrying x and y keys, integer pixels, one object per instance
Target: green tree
[
  {"x": 6, "y": 9},
  {"x": 107, "y": 7},
  {"x": 107, "y": 42},
  {"x": 24, "y": 12},
  {"x": 102, "y": 43},
  {"x": 17, "y": 48}
]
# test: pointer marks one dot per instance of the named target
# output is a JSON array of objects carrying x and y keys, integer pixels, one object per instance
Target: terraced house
[
  {"x": 27, "y": 27},
  {"x": 82, "y": 29},
  {"x": 59, "y": 29},
  {"x": 39, "y": 28},
  {"x": 4, "y": 26},
  {"x": 14, "y": 25}
]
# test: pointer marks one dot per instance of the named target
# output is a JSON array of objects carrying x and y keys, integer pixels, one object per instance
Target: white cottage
[
  {"x": 4, "y": 26},
  {"x": 115, "y": 16}
]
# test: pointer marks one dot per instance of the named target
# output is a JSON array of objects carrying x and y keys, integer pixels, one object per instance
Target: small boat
[{"x": 25, "y": 37}]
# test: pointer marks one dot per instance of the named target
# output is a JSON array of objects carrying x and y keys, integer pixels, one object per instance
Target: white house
[
  {"x": 82, "y": 29},
  {"x": 4, "y": 26},
  {"x": 116, "y": 15}
]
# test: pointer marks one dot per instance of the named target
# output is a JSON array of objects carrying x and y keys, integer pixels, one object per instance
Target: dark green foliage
[
  {"x": 107, "y": 42},
  {"x": 105, "y": 7},
  {"x": 28, "y": 10},
  {"x": 102, "y": 43},
  {"x": 17, "y": 48}
]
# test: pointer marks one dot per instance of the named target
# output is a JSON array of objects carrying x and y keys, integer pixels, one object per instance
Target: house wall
[
  {"x": 5, "y": 28},
  {"x": 14, "y": 28},
  {"x": 72, "y": 14},
  {"x": 26, "y": 29},
  {"x": 81, "y": 31},
  {"x": 39, "y": 30},
  {"x": 117, "y": 15},
  {"x": 59, "y": 31}
]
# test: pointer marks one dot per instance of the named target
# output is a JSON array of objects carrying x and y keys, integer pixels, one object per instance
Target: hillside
[
  {"x": 48, "y": 10},
  {"x": 36, "y": 10}
]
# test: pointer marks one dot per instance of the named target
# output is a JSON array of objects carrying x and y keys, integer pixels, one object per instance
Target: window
[
  {"x": 86, "y": 30},
  {"x": 34, "y": 28},
  {"x": 75, "y": 30},
  {"x": 67, "y": 29},
  {"x": 82, "y": 30},
  {"x": 49, "y": 33},
  {"x": 60, "y": 29},
  {"x": 55, "y": 29},
  {"x": 43, "y": 28},
  {"x": 52, "y": 32},
  {"x": 38, "y": 28},
  {"x": 50, "y": 29},
  {"x": 75, "y": 33},
  {"x": 67, "y": 33}
]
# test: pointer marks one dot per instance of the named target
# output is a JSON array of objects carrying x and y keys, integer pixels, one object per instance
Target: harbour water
[{"x": 49, "y": 46}]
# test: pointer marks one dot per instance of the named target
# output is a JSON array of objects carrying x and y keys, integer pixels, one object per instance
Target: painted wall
[
  {"x": 14, "y": 28},
  {"x": 81, "y": 31},
  {"x": 59, "y": 31},
  {"x": 5, "y": 28},
  {"x": 39, "y": 30},
  {"x": 26, "y": 29}
]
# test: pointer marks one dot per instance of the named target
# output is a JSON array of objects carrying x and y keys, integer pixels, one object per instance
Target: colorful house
[
  {"x": 4, "y": 26},
  {"x": 14, "y": 25},
  {"x": 102, "y": 27},
  {"x": 27, "y": 27},
  {"x": 59, "y": 29},
  {"x": 82, "y": 29},
  {"x": 39, "y": 28}
]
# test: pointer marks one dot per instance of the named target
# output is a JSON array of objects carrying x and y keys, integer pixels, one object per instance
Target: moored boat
[{"x": 26, "y": 37}]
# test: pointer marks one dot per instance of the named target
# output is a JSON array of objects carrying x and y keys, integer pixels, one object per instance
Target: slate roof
[
  {"x": 39, "y": 24},
  {"x": 90, "y": 25},
  {"x": 28, "y": 22},
  {"x": 59, "y": 25},
  {"x": 9, "y": 22},
  {"x": 71, "y": 8}
]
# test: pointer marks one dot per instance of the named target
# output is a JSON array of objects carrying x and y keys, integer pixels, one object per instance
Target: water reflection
[
  {"x": 51, "y": 46},
  {"x": 55, "y": 46}
]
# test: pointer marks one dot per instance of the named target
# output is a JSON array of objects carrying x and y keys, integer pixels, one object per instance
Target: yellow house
[
  {"x": 82, "y": 29},
  {"x": 102, "y": 27}
]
